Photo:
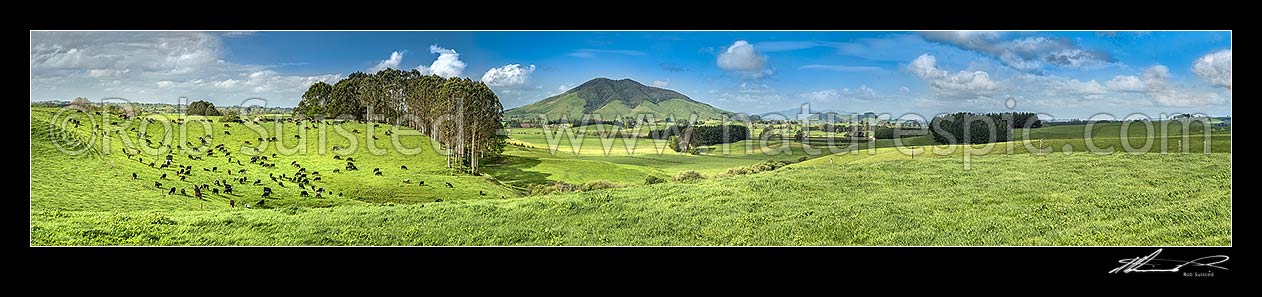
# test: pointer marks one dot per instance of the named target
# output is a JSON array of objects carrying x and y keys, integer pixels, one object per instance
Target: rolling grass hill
[
  {"x": 1004, "y": 201},
  {"x": 58, "y": 179},
  {"x": 865, "y": 194}
]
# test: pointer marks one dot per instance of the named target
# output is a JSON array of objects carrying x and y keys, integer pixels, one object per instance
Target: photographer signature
[{"x": 1151, "y": 263}]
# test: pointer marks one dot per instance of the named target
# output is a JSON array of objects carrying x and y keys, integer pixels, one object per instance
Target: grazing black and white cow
[{"x": 449, "y": 185}]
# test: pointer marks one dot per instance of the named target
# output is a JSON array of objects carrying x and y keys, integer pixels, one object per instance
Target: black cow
[
  {"x": 133, "y": 175},
  {"x": 303, "y": 194},
  {"x": 481, "y": 193},
  {"x": 422, "y": 182},
  {"x": 164, "y": 176},
  {"x": 261, "y": 202},
  {"x": 172, "y": 192},
  {"x": 336, "y": 157},
  {"x": 449, "y": 185},
  {"x": 157, "y": 184},
  {"x": 378, "y": 172},
  {"x": 404, "y": 167}
]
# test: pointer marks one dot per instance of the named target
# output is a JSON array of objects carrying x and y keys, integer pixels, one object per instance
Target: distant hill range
[
  {"x": 815, "y": 114},
  {"x": 612, "y": 99}
]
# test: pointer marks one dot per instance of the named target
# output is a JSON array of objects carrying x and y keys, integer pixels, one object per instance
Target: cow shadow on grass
[{"x": 514, "y": 171}]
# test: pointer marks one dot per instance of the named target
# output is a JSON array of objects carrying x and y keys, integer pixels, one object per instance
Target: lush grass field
[
  {"x": 626, "y": 161},
  {"x": 855, "y": 194},
  {"x": 60, "y": 181},
  {"x": 1005, "y": 200}
]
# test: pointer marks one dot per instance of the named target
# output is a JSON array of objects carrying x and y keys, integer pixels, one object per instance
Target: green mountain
[{"x": 616, "y": 98}]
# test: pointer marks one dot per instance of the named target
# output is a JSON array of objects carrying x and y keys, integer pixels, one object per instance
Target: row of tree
[
  {"x": 683, "y": 138},
  {"x": 971, "y": 128},
  {"x": 462, "y": 114}
]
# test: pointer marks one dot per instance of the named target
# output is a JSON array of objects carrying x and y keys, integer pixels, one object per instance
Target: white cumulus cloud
[
  {"x": 509, "y": 75},
  {"x": 961, "y": 85},
  {"x": 153, "y": 67},
  {"x": 1215, "y": 68},
  {"x": 396, "y": 57},
  {"x": 448, "y": 63},
  {"x": 743, "y": 59}
]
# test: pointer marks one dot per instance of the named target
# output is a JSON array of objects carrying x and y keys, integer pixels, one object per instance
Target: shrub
[
  {"x": 768, "y": 165},
  {"x": 600, "y": 185},
  {"x": 689, "y": 175},
  {"x": 653, "y": 179},
  {"x": 553, "y": 188},
  {"x": 202, "y": 107},
  {"x": 231, "y": 116}
]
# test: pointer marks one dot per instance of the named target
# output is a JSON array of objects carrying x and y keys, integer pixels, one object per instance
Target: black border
[
  {"x": 636, "y": 15},
  {"x": 842, "y": 264},
  {"x": 1030, "y": 264}
]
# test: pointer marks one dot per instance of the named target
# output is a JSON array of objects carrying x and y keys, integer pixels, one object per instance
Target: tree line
[
  {"x": 462, "y": 114},
  {"x": 685, "y": 138},
  {"x": 971, "y": 128}
]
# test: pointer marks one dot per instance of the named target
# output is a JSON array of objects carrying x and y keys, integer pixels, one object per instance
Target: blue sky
[{"x": 1065, "y": 74}]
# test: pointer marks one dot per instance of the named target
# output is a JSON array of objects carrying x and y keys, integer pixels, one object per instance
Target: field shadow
[{"x": 511, "y": 171}]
